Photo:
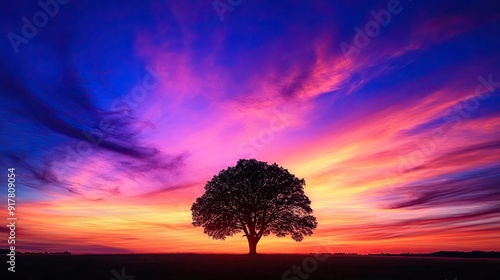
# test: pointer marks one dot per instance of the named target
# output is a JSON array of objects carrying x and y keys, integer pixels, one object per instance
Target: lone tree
[{"x": 256, "y": 198}]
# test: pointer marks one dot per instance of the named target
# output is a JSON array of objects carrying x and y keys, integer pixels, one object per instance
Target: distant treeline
[
  {"x": 450, "y": 254},
  {"x": 6, "y": 251}
]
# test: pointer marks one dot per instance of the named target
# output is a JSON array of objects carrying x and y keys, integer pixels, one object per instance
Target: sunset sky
[{"x": 115, "y": 115}]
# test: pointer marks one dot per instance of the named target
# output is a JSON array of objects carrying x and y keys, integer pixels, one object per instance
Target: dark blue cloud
[{"x": 59, "y": 87}]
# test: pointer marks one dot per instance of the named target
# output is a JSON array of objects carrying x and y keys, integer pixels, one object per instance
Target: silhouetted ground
[{"x": 235, "y": 267}]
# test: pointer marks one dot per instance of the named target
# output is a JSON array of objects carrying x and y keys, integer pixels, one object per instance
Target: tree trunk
[{"x": 252, "y": 245}]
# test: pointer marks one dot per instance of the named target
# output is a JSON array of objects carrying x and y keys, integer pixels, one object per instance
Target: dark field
[{"x": 235, "y": 267}]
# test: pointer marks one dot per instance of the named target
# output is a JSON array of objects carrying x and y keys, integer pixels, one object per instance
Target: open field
[{"x": 193, "y": 266}]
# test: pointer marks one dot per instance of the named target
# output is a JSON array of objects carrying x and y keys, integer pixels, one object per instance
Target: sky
[{"x": 115, "y": 114}]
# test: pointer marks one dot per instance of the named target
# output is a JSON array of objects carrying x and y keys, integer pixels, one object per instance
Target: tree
[{"x": 256, "y": 198}]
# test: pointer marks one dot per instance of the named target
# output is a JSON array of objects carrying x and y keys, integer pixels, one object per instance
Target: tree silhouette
[{"x": 256, "y": 198}]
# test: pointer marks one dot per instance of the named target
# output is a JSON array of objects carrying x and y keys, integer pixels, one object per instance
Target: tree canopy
[{"x": 257, "y": 199}]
